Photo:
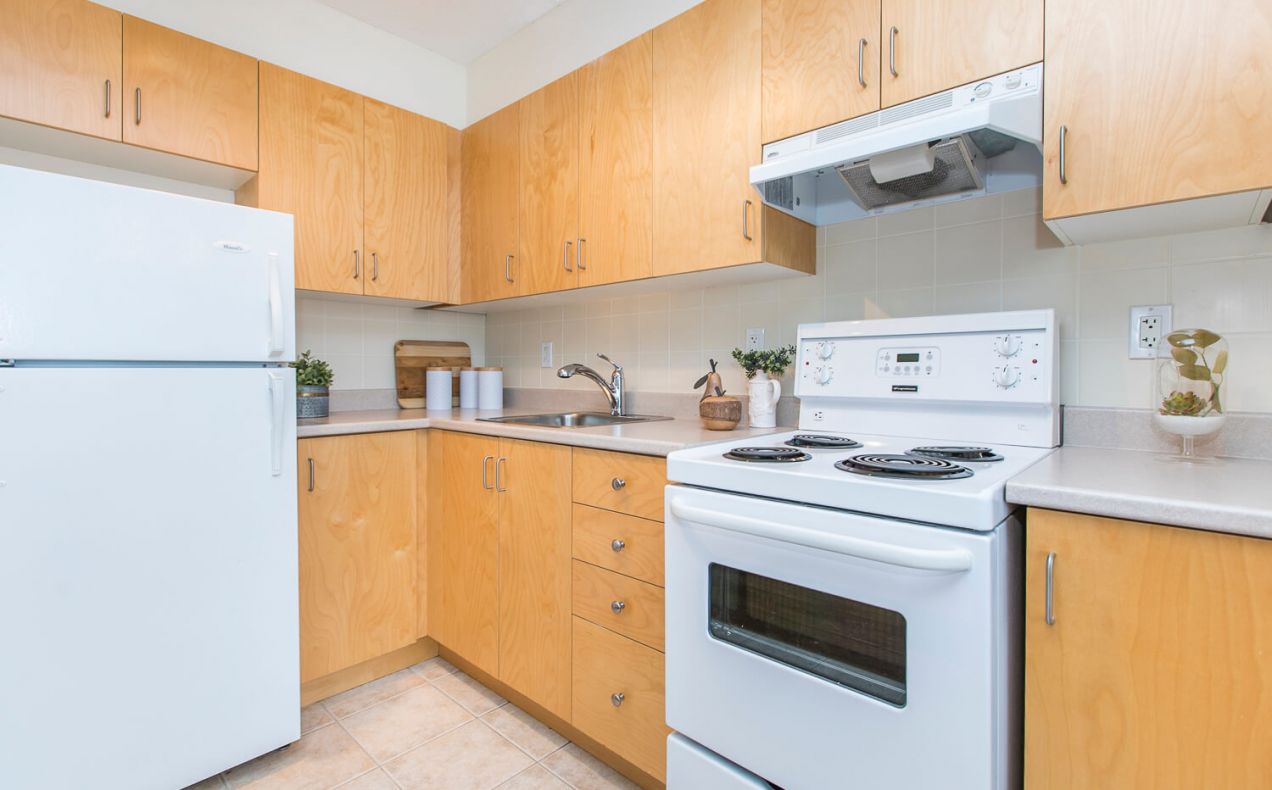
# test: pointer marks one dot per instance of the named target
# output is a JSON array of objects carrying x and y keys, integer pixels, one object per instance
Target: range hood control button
[{"x": 983, "y": 90}]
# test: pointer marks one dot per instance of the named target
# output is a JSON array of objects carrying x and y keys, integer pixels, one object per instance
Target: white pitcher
[{"x": 762, "y": 405}]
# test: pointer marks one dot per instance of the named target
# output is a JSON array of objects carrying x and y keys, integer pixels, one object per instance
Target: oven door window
[{"x": 853, "y": 644}]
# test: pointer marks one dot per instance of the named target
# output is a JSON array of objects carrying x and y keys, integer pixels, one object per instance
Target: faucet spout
[{"x": 612, "y": 389}]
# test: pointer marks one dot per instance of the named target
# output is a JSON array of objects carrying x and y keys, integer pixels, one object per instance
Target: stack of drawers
[{"x": 618, "y": 695}]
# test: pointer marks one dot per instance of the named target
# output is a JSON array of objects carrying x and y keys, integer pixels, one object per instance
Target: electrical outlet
[
  {"x": 1150, "y": 324},
  {"x": 754, "y": 339},
  {"x": 545, "y": 355}
]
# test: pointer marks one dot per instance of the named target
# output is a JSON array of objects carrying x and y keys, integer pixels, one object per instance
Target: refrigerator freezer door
[
  {"x": 98, "y": 271},
  {"x": 147, "y": 573}
]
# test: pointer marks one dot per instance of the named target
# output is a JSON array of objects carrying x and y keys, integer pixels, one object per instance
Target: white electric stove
[{"x": 843, "y": 601}]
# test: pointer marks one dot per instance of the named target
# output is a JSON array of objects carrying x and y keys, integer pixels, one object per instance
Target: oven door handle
[{"x": 934, "y": 560}]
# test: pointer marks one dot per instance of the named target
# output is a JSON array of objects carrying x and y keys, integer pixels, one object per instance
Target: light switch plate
[
  {"x": 754, "y": 339},
  {"x": 545, "y": 355},
  {"x": 1150, "y": 324}
]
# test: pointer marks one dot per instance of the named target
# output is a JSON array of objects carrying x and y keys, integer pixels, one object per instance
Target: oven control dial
[
  {"x": 825, "y": 349},
  {"x": 825, "y": 374},
  {"x": 1007, "y": 346},
  {"x": 1006, "y": 377}
]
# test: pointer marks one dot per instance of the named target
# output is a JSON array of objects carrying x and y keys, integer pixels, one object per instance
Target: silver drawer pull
[
  {"x": 618, "y": 544},
  {"x": 617, "y": 607},
  {"x": 618, "y": 483},
  {"x": 617, "y": 698},
  {"x": 1050, "y": 614}
]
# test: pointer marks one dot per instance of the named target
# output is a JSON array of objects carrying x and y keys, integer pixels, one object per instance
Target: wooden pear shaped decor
[{"x": 719, "y": 412}]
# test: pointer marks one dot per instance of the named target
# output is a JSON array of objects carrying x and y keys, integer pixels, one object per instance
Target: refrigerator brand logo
[
  {"x": 905, "y": 388},
  {"x": 231, "y": 246}
]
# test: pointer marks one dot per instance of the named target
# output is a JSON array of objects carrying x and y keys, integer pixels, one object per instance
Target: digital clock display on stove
[{"x": 908, "y": 357}]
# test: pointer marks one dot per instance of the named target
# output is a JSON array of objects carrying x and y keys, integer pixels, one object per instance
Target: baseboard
[{"x": 330, "y": 685}]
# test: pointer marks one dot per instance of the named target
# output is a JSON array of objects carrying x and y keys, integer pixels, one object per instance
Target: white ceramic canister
[
  {"x": 438, "y": 386},
  {"x": 468, "y": 388},
  {"x": 489, "y": 388}
]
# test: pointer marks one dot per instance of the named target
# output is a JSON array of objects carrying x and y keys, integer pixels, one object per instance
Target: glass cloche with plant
[{"x": 1190, "y": 385}]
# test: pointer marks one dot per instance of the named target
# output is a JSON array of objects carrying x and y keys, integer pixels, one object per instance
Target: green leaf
[
  {"x": 1184, "y": 356},
  {"x": 1195, "y": 372},
  {"x": 1180, "y": 339},
  {"x": 1221, "y": 362},
  {"x": 1205, "y": 338}
]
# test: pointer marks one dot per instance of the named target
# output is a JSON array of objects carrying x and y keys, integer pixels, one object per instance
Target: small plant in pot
[
  {"x": 313, "y": 386},
  {"x": 764, "y": 391}
]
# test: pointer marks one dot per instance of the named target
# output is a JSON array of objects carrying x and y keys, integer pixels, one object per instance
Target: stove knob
[
  {"x": 1007, "y": 377},
  {"x": 825, "y": 349},
  {"x": 824, "y": 375},
  {"x": 1007, "y": 346}
]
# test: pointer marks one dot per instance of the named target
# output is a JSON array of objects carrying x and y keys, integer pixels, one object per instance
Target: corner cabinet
[
  {"x": 490, "y": 178},
  {"x": 1151, "y": 664}
]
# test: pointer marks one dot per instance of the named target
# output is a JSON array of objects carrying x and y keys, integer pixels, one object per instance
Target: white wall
[
  {"x": 314, "y": 39},
  {"x": 567, "y": 37}
]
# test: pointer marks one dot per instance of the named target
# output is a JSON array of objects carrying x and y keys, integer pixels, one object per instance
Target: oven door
[{"x": 819, "y": 648}]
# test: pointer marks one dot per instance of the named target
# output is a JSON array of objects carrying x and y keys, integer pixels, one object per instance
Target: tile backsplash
[{"x": 989, "y": 253}]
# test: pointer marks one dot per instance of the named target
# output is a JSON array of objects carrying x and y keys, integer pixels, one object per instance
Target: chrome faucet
[{"x": 613, "y": 388}]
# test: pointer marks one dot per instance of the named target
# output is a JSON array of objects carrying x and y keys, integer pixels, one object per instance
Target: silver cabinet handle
[
  {"x": 485, "y": 465},
  {"x": 617, "y": 607},
  {"x": 357, "y": 264},
  {"x": 1051, "y": 589},
  {"x": 861, "y": 62},
  {"x": 508, "y": 267},
  {"x": 499, "y": 486},
  {"x": 746, "y": 220},
  {"x": 565, "y": 255},
  {"x": 582, "y": 262},
  {"x": 137, "y": 106},
  {"x": 617, "y": 698},
  {"x": 311, "y": 474},
  {"x": 107, "y": 98},
  {"x": 375, "y": 266},
  {"x": 618, "y": 544},
  {"x": 618, "y": 483},
  {"x": 892, "y": 50},
  {"x": 1064, "y": 134}
]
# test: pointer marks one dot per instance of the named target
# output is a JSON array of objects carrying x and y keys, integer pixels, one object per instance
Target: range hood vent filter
[{"x": 953, "y": 170}]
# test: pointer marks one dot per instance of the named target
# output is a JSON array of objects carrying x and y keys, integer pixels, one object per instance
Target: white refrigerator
[{"x": 148, "y": 590}]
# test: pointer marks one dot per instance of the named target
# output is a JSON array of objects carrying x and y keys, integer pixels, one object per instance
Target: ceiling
[{"x": 459, "y": 30}]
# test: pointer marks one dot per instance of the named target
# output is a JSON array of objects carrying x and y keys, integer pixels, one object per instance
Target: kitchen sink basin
[{"x": 573, "y": 419}]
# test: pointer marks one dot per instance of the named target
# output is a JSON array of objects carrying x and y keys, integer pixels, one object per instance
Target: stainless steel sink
[{"x": 573, "y": 419}]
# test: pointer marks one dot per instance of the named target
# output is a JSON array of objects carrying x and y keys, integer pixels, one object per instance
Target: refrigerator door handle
[
  {"x": 277, "y": 342},
  {"x": 278, "y": 397}
]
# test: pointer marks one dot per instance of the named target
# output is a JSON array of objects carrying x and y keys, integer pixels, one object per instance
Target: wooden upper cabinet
[
  {"x": 1156, "y": 671},
  {"x": 616, "y": 157},
  {"x": 60, "y": 65},
  {"x": 357, "y": 549},
  {"x": 821, "y": 63},
  {"x": 491, "y": 157},
  {"x": 706, "y": 137},
  {"x": 1159, "y": 102},
  {"x": 406, "y": 204},
  {"x": 534, "y": 572},
  {"x": 549, "y": 188},
  {"x": 187, "y": 96},
  {"x": 941, "y": 44},
  {"x": 311, "y": 162}
]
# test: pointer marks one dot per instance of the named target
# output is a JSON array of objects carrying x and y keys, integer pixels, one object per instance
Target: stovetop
[{"x": 943, "y": 487}]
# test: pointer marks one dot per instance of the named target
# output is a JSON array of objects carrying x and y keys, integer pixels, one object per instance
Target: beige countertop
[
  {"x": 647, "y": 438},
  {"x": 1222, "y": 495}
]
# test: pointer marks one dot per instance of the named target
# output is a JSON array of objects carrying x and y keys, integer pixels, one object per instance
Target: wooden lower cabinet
[
  {"x": 621, "y": 482},
  {"x": 1157, "y": 670},
  {"x": 357, "y": 545}
]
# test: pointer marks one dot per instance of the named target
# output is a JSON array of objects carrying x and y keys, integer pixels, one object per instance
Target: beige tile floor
[{"x": 428, "y": 727}]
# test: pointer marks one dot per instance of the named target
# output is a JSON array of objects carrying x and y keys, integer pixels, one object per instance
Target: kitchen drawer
[
  {"x": 625, "y": 544},
  {"x": 622, "y": 482},
  {"x": 610, "y": 669},
  {"x": 620, "y": 603}
]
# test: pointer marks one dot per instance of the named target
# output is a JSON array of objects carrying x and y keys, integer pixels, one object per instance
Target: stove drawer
[
  {"x": 619, "y": 698},
  {"x": 623, "y": 482},
  {"x": 619, "y": 603},
  {"x": 625, "y": 544}
]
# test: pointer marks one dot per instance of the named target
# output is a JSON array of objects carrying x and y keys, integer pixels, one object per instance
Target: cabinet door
[
  {"x": 616, "y": 157},
  {"x": 821, "y": 63},
  {"x": 490, "y": 176},
  {"x": 311, "y": 168},
  {"x": 357, "y": 549},
  {"x": 534, "y": 572},
  {"x": 467, "y": 616},
  {"x": 1155, "y": 673},
  {"x": 941, "y": 44},
  {"x": 60, "y": 65},
  {"x": 706, "y": 137},
  {"x": 549, "y": 192},
  {"x": 405, "y": 204},
  {"x": 1157, "y": 102},
  {"x": 187, "y": 96}
]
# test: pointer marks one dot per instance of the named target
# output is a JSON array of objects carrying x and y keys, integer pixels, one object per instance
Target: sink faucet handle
[{"x": 617, "y": 367}]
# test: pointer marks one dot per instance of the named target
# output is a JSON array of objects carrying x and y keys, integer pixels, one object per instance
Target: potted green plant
[
  {"x": 313, "y": 386},
  {"x": 764, "y": 392},
  {"x": 1190, "y": 383}
]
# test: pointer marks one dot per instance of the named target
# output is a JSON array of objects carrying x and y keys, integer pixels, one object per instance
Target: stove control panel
[{"x": 903, "y": 363}]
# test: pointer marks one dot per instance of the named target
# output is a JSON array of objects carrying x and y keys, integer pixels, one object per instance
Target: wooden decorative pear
[{"x": 719, "y": 412}]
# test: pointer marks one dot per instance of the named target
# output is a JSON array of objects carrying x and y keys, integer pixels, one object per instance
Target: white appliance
[
  {"x": 982, "y": 137},
  {"x": 147, "y": 485},
  {"x": 844, "y": 601}
]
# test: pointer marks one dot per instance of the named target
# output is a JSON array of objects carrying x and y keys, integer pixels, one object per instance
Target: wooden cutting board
[{"x": 412, "y": 357}]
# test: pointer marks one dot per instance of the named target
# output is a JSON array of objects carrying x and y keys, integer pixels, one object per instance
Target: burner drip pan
[
  {"x": 903, "y": 467},
  {"x": 962, "y": 454},
  {"x": 767, "y": 455},
  {"x": 817, "y": 441}
]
